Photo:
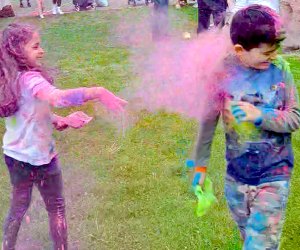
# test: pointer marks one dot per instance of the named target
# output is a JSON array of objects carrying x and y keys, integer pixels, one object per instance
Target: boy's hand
[
  {"x": 112, "y": 102},
  {"x": 227, "y": 114},
  {"x": 199, "y": 176},
  {"x": 245, "y": 112},
  {"x": 200, "y": 179}
]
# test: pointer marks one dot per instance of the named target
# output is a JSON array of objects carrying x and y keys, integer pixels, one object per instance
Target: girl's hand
[
  {"x": 245, "y": 112},
  {"x": 111, "y": 102},
  {"x": 60, "y": 124},
  {"x": 77, "y": 119}
]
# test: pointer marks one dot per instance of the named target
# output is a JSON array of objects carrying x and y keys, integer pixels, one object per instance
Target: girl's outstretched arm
[
  {"x": 44, "y": 91},
  {"x": 76, "y": 97}
]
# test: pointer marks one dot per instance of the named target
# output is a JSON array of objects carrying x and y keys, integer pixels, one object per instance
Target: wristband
[{"x": 200, "y": 169}]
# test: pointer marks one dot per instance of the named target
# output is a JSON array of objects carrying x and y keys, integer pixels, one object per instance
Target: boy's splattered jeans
[
  {"x": 258, "y": 211},
  {"x": 48, "y": 180}
]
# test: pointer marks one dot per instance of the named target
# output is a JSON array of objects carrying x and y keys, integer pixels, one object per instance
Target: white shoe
[
  {"x": 77, "y": 8},
  {"x": 59, "y": 11},
  {"x": 54, "y": 9}
]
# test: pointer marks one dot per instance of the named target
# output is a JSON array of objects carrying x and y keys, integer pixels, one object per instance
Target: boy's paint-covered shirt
[{"x": 263, "y": 152}]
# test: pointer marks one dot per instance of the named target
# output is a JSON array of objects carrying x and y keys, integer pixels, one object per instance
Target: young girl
[{"x": 25, "y": 100}]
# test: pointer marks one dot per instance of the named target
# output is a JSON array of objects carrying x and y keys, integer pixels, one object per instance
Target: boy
[{"x": 259, "y": 106}]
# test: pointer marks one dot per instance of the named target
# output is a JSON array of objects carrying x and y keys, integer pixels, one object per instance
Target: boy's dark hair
[{"x": 254, "y": 25}]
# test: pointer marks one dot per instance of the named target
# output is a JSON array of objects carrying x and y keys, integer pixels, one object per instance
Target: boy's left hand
[
  {"x": 198, "y": 179},
  {"x": 245, "y": 111}
]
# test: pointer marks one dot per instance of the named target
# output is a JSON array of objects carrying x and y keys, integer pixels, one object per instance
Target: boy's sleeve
[
  {"x": 287, "y": 119},
  {"x": 205, "y": 137}
]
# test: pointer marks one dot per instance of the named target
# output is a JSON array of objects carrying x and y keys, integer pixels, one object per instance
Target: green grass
[{"x": 131, "y": 191}]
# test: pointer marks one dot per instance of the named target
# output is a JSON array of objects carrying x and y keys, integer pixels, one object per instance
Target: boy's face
[{"x": 257, "y": 58}]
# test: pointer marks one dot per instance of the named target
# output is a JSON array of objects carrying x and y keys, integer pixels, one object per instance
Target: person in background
[
  {"x": 206, "y": 8},
  {"x": 56, "y": 9},
  {"x": 160, "y": 21},
  {"x": 28, "y": 4},
  {"x": 6, "y": 9},
  {"x": 290, "y": 14},
  {"x": 40, "y": 8}
]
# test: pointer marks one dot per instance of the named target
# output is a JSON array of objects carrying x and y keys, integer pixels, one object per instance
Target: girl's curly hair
[{"x": 13, "y": 62}]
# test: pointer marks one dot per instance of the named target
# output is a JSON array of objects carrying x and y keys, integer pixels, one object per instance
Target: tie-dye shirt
[
  {"x": 28, "y": 136},
  {"x": 262, "y": 152}
]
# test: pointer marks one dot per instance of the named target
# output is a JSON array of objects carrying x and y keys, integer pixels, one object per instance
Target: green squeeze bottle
[
  {"x": 205, "y": 197},
  {"x": 247, "y": 131}
]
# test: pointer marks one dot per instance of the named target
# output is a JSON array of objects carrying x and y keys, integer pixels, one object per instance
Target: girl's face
[{"x": 33, "y": 50}]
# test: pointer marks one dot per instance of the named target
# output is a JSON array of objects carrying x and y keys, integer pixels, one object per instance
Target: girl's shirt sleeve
[
  {"x": 35, "y": 82},
  {"x": 40, "y": 88}
]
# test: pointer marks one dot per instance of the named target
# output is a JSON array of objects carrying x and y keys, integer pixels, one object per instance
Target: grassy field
[{"x": 132, "y": 191}]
